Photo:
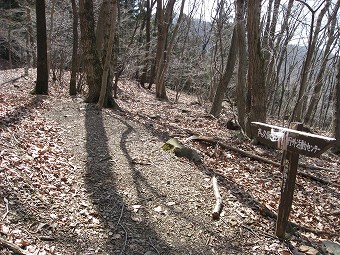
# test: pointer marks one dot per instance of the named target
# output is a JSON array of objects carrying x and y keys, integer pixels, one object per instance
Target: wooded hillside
[
  {"x": 169, "y": 127},
  {"x": 189, "y": 47}
]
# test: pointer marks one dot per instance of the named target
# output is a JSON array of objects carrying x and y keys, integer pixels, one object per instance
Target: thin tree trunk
[
  {"x": 42, "y": 70},
  {"x": 92, "y": 65},
  {"x": 143, "y": 79},
  {"x": 256, "y": 83},
  {"x": 73, "y": 80},
  {"x": 279, "y": 52},
  {"x": 337, "y": 111},
  {"x": 10, "y": 47},
  {"x": 164, "y": 17},
  {"x": 228, "y": 72},
  {"x": 242, "y": 64},
  {"x": 320, "y": 76},
  {"x": 111, "y": 18},
  {"x": 313, "y": 35},
  {"x": 49, "y": 40},
  {"x": 164, "y": 69},
  {"x": 30, "y": 37}
]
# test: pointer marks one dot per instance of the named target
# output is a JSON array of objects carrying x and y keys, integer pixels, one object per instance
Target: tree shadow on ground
[
  {"x": 100, "y": 181},
  {"x": 239, "y": 191},
  {"x": 144, "y": 187}
]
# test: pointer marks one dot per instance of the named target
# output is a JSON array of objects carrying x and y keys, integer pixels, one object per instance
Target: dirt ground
[{"x": 78, "y": 180}]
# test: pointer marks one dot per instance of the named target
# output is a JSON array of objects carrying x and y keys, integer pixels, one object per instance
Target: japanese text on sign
[{"x": 276, "y": 136}]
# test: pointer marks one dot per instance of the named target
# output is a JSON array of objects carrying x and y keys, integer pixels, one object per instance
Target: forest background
[
  {"x": 176, "y": 68},
  {"x": 268, "y": 59}
]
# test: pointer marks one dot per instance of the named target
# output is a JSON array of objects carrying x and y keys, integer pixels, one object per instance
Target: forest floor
[{"x": 77, "y": 180}]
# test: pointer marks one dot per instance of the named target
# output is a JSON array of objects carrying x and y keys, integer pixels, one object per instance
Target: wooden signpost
[{"x": 294, "y": 142}]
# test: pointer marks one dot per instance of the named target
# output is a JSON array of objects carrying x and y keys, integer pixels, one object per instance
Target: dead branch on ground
[
  {"x": 13, "y": 247},
  {"x": 218, "y": 205},
  {"x": 223, "y": 145}
]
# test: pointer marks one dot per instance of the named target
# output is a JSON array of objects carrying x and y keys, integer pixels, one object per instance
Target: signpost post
[{"x": 294, "y": 142}]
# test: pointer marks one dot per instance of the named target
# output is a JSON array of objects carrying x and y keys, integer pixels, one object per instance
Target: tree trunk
[
  {"x": 92, "y": 64},
  {"x": 73, "y": 80},
  {"x": 49, "y": 41},
  {"x": 337, "y": 111},
  {"x": 30, "y": 39},
  {"x": 10, "y": 46},
  {"x": 242, "y": 64},
  {"x": 41, "y": 86},
  {"x": 319, "y": 79},
  {"x": 228, "y": 73},
  {"x": 276, "y": 91},
  {"x": 168, "y": 50},
  {"x": 164, "y": 17},
  {"x": 298, "y": 109},
  {"x": 256, "y": 83},
  {"x": 217, "y": 58},
  {"x": 146, "y": 64},
  {"x": 110, "y": 25}
]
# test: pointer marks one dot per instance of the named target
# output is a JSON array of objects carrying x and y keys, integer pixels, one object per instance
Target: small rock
[
  {"x": 178, "y": 210},
  {"x": 115, "y": 236},
  {"x": 158, "y": 209}
]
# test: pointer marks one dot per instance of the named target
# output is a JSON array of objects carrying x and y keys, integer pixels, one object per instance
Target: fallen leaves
[
  {"x": 34, "y": 171},
  {"x": 37, "y": 177}
]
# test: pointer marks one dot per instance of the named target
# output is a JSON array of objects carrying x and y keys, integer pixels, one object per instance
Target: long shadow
[
  {"x": 238, "y": 191},
  {"x": 243, "y": 196},
  {"x": 101, "y": 185},
  {"x": 138, "y": 177},
  {"x": 142, "y": 186}
]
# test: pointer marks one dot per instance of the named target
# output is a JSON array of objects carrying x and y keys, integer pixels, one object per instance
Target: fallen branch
[
  {"x": 214, "y": 141},
  {"x": 218, "y": 205},
  {"x": 323, "y": 181},
  {"x": 46, "y": 238},
  {"x": 262, "y": 232},
  {"x": 7, "y": 210},
  {"x": 13, "y": 247},
  {"x": 223, "y": 145}
]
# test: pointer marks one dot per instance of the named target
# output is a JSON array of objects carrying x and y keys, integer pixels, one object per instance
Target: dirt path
[
  {"x": 134, "y": 198},
  {"x": 76, "y": 180}
]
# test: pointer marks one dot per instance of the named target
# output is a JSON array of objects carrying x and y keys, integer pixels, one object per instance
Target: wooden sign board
[
  {"x": 291, "y": 140},
  {"x": 294, "y": 142}
]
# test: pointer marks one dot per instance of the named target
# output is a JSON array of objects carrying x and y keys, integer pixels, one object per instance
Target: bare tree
[
  {"x": 92, "y": 64},
  {"x": 332, "y": 36},
  {"x": 110, "y": 12},
  {"x": 313, "y": 36},
  {"x": 337, "y": 111},
  {"x": 49, "y": 42},
  {"x": 73, "y": 80},
  {"x": 278, "y": 63},
  {"x": 242, "y": 63},
  {"x": 228, "y": 72},
  {"x": 256, "y": 94},
  {"x": 30, "y": 39},
  {"x": 165, "y": 42},
  {"x": 146, "y": 64},
  {"x": 41, "y": 86},
  {"x": 222, "y": 34}
]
